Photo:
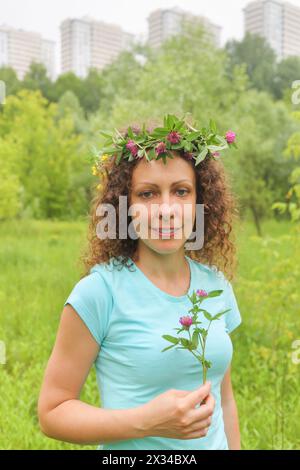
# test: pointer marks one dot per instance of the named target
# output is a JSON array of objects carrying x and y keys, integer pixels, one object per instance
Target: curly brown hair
[{"x": 213, "y": 191}]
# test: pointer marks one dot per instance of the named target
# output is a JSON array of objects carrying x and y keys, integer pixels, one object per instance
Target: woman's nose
[{"x": 166, "y": 211}]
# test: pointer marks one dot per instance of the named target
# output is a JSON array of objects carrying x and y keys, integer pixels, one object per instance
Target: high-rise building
[
  {"x": 163, "y": 23},
  {"x": 278, "y": 22},
  {"x": 87, "y": 43},
  {"x": 18, "y": 49}
]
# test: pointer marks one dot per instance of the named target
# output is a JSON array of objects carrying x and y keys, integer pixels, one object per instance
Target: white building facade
[
  {"x": 18, "y": 49},
  {"x": 278, "y": 22},
  {"x": 87, "y": 43},
  {"x": 164, "y": 23}
]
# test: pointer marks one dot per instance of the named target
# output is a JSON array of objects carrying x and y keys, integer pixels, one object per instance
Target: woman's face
[{"x": 166, "y": 194}]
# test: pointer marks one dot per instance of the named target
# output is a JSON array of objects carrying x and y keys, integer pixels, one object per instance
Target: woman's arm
[
  {"x": 61, "y": 414},
  {"x": 230, "y": 413}
]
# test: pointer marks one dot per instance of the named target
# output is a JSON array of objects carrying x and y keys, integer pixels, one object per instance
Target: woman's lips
[{"x": 166, "y": 231}]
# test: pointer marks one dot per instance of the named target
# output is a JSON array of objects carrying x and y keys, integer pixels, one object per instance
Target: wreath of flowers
[{"x": 176, "y": 134}]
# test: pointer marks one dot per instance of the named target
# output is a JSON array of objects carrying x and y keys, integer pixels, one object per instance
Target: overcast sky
[{"x": 45, "y": 16}]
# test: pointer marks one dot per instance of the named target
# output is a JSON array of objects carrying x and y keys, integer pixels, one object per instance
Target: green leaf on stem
[
  {"x": 216, "y": 317},
  {"x": 195, "y": 338},
  {"x": 207, "y": 315},
  {"x": 201, "y": 155},
  {"x": 171, "y": 339},
  {"x": 213, "y": 126},
  {"x": 169, "y": 347},
  {"x": 214, "y": 293}
]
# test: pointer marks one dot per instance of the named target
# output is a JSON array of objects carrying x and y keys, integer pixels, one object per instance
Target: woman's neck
[{"x": 167, "y": 268}]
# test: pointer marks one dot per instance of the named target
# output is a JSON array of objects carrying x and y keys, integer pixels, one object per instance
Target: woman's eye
[
  {"x": 147, "y": 194},
  {"x": 185, "y": 190},
  {"x": 144, "y": 194}
]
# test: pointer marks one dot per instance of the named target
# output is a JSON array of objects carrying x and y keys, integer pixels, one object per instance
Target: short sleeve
[
  {"x": 233, "y": 316},
  {"x": 92, "y": 300}
]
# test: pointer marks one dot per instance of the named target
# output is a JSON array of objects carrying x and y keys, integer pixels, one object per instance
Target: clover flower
[
  {"x": 174, "y": 137},
  {"x": 132, "y": 147},
  {"x": 201, "y": 293},
  {"x": 216, "y": 154},
  {"x": 230, "y": 137},
  {"x": 186, "y": 321},
  {"x": 160, "y": 148}
]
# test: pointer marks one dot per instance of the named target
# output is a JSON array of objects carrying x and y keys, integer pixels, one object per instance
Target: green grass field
[{"x": 38, "y": 270}]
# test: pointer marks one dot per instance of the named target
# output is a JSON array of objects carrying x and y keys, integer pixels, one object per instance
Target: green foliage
[
  {"x": 10, "y": 187},
  {"x": 32, "y": 293},
  {"x": 292, "y": 204},
  {"x": 43, "y": 152},
  {"x": 37, "y": 79},
  {"x": 259, "y": 58},
  {"x": 9, "y": 77},
  {"x": 69, "y": 106},
  {"x": 186, "y": 75},
  {"x": 265, "y": 377},
  {"x": 287, "y": 71},
  {"x": 265, "y": 73},
  {"x": 259, "y": 171}
]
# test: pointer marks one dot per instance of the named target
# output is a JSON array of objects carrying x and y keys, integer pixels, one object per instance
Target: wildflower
[
  {"x": 230, "y": 137},
  {"x": 186, "y": 321},
  {"x": 132, "y": 147},
  {"x": 174, "y": 137},
  {"x": 216, "y": 154},
  {"x": 104, "y": 157},
  {"x": 160, "y": 148},
  {"x": 94, "y": 170},
  {"x": 201, "y": 293}
]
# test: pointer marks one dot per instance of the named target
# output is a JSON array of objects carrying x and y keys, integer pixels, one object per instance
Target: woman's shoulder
[{"x": 211, "y": 272}]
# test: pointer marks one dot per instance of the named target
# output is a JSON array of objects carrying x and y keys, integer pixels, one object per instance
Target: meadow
[{"x": 39, "y": 267}]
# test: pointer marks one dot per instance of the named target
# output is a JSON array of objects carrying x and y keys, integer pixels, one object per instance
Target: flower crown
[{"x": 176, "y": 134}]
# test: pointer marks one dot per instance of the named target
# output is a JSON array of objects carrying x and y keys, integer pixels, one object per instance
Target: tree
[
  {"x": 187, "y": 74},
  {"x": 9, "y": 77},
  {"x": 10, "y": 187},
  {"x": 69, "y": 106},
  {"x": 68, "y": 82},
  {"x": 46, "y": 154},
  {"x": 93, "y": 84},
  {"x": 292, "y": 198},
  {"x": 36, "y": 79},
  {"x": 260, "y": 172},
  {"x": 288, "y": 70},
  {"x": 259, "y": 57},
  {"x": 120, "y": 78}
]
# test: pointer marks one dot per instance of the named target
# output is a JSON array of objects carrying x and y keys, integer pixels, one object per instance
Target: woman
[{"x": 135, "y": 289}]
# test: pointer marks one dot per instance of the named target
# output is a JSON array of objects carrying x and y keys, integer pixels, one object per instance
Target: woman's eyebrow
[{"x": 156, "y": 185}]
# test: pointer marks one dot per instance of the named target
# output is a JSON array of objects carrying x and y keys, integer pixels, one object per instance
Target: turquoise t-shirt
[{"x": 127, "y": 315}]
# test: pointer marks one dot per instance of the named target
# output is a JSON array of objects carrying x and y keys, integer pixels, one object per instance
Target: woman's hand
[{"x": 173, "y": 414}]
